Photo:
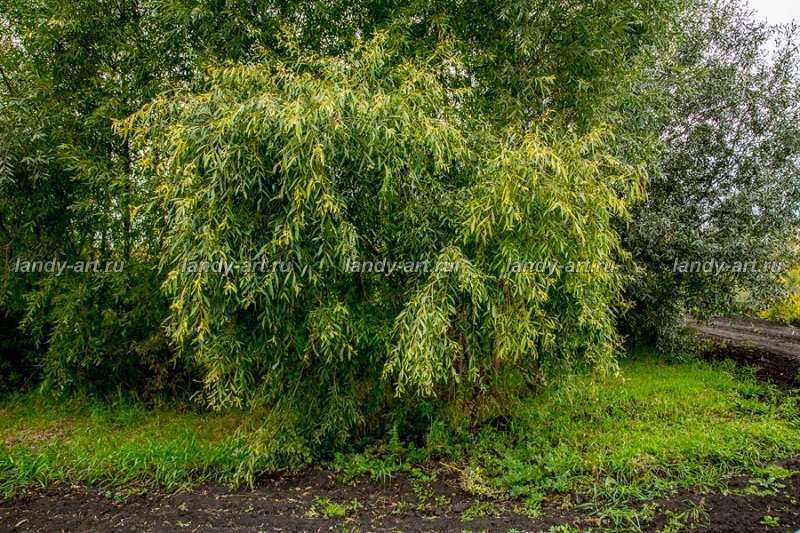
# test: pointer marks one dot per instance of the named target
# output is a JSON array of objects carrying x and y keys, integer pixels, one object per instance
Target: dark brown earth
[
  {"x": 744, "y": 506},
  {"x": 298, "y": 503},
  {"x": 288, "y": 504},
  {"x": 293, "y": 504}
]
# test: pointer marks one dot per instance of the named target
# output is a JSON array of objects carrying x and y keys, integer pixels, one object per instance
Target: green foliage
[
  {"x": 113, "y": 445},
  {"x": 727, "y": 185},
  {"x": 333, "y": 510},
  {"x": 406, "y": 131},
  {"x": 770, "y": 521},
  {"x": 787, "y": 309},
  {"x": 480, "y": 510},
  {"x": 312, "y": 163},
  {"x": 768, "y": 481},
  {"x": 469, "y": 138},
  {"x": 68, "y": 192},
  {"x": 656, "y": 428}
]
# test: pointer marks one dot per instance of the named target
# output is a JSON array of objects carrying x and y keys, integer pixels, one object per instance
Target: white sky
[{"x": 777, "y": 11}]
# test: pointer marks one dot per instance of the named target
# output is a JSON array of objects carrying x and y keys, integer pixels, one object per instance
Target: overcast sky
[{"x": 777, "y": 11}]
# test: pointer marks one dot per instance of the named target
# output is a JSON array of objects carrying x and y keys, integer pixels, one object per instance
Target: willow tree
[
  {"x": 308, "y": 164},
  {"x": 479, "y": 139}
]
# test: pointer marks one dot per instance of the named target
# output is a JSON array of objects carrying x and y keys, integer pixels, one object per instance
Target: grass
[
  {"x": 43, "y": 443},
  {"x": 653, "y": 428}
]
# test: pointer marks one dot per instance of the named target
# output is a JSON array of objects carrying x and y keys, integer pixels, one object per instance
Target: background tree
[
  {"x": 68, "y": 190},
  {"x": 727, "y": 185},
  {"x": 396, "y": 149}
]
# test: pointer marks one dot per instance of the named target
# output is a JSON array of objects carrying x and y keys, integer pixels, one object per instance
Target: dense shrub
[{"x": 317, "y": 163}]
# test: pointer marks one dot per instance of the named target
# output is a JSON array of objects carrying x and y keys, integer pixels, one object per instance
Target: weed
[
  {"x": 630, "y": 518},
  {"x": 333, "y": 510},
  {"x": 770, "y": 521},
  {"x": 122, "y": 494},
  {"x": 421, "y": 485},
  {"x": 681, "y": 521},
  {"x": 480, "y": 510},
  {"x": 531, "y": 506},
  {"x": 767, "y": 480},
  {"x": 401, "y": 507}
]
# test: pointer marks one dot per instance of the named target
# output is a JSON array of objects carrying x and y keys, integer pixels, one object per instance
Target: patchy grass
[{"x": 654, "y": 428}]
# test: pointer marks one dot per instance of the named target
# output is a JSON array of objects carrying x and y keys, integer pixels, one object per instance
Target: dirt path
[
  {"x": 774, "y": 349},
  {"x": 755, "y": 333}
]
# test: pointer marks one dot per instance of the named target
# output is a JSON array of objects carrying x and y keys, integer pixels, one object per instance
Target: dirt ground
[
  {"x": 298, "y": 503},
  {"x": 293, "y": 504}
]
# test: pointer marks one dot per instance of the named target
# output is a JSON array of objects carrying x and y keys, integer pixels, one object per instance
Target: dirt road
[{"x": 774, "y": 349}]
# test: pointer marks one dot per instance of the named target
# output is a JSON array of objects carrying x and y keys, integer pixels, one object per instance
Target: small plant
[
  {"x": 330, "y": 509},
  {"x": 421, "y": 485},
  {"x": 770, "y": 521},
  {"x": 768, "y": 480},
  {"x": 474, "y": 481},
  {"x": 121, "y": 495},
  {"x": 401, "y": 507},
  {"x": 629, "y": 517},
  {"x": 676, "y": 522},
  {"x": 480, "y": 510},
  {"x": 563, "y": 528},
  {"x": 532, "y": 507},
  {"x": 441, "y": 500},
  {"x": 379, "y": 463},
  {"x": 334, "y": 510}
]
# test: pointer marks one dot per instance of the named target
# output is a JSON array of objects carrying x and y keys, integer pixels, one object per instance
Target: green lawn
[{"x": 652, "y": 428}]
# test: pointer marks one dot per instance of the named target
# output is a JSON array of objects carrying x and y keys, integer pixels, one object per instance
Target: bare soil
[
  {"x": 285, "y": 504},
  {"x": 292, "y": 504}
]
